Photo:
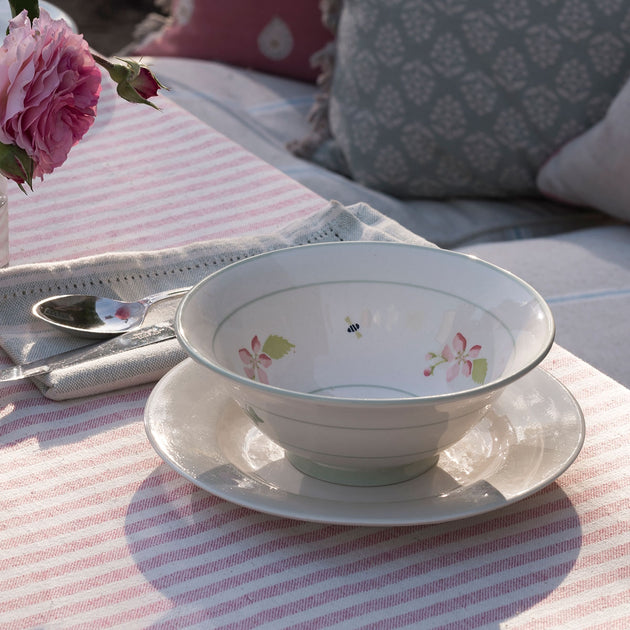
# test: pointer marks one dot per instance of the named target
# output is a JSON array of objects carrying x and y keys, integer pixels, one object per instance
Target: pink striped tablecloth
[{"x": 96, "y": 531}]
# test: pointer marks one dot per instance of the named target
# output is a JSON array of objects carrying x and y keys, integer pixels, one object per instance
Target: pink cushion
[{"x": 276, "y": 36}]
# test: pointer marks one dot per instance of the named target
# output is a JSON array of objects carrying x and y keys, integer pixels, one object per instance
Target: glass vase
[{"x": 4, "y": 223}]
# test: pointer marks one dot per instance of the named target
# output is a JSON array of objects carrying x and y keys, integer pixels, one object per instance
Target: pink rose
[
  {"x": 49, "y": 88},
  {"x": 146, "y": 84}
]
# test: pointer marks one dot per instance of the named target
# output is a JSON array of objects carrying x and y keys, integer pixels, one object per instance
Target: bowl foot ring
[{"x": 361, "y": 476}]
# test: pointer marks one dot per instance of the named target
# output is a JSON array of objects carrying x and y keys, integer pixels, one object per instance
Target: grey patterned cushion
[{"x": 435, "y": 98}]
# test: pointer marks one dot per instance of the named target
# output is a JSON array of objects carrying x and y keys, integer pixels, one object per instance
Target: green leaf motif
[
  {"x": 276, "y": 347},
  {"x": 479, "y": 370}
]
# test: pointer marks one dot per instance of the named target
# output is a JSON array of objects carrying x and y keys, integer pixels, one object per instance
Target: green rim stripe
[
  {"x": 363, "y": 385},
  {"x": 259, "y": 409},
  {"x": 415, "y": 455}
]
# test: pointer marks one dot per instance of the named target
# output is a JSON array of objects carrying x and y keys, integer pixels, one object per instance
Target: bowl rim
[{"x": 470, "y": 392}]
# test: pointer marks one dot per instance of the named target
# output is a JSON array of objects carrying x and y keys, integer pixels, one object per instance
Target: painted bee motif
[{"x": 353, "y": 327}]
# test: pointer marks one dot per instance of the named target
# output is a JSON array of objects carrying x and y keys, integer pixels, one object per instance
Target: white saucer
[{"x": 529, "y": 438}]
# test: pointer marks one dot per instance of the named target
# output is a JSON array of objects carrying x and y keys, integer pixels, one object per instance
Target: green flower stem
[
  {"x": 102, "y": 61},
  {"x": 32, "y": 6}
]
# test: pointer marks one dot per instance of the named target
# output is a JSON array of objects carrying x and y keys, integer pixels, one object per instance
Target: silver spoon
[{"x": 91, "y": 316}]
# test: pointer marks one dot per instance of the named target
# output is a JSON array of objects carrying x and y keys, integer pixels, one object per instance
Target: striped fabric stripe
[
  {"x": 143, "y": 179},
  {"x": 97, "y": 532}
]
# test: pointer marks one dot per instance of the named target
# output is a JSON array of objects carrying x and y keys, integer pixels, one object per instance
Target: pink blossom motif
[
  {"x": 50, "y": 86},
  {"x": 255, "y": 361},
  {"x": 459, "y": 360},
  {"x": 261, "y": 356}
]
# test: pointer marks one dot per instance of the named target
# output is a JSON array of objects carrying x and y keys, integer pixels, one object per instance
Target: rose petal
[
  {"x": 264, "y": 359},
  {"x": 474, "y": 352},
  {"x": 467, "y": 368},
  {"x": 146, "y": 84},
  {"x": 250, "y": 372},
  {"x": 447, "y": 354}
]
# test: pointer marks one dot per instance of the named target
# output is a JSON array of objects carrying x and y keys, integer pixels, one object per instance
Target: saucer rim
[{"x": 243, "y": 488}]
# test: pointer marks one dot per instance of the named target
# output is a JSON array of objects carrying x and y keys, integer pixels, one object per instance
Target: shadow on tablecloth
[{"x": 214, "y": 560}]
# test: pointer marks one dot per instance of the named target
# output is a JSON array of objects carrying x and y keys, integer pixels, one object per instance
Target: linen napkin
[{"x": 132, "y": 275}]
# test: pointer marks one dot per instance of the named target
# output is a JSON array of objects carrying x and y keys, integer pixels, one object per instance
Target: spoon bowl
[{"x": 97, "y": 317}]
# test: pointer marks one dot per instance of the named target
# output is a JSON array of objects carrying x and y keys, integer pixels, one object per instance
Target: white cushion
[{"x": 594, "y": 168}]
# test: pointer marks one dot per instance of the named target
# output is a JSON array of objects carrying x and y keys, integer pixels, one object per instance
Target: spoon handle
[
  {"x": 128, "y": 341},
  {"x": 163, "y": 295}
]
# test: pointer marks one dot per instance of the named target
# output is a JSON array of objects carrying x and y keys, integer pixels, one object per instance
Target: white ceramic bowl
[{"x": 365, "y": 360}]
